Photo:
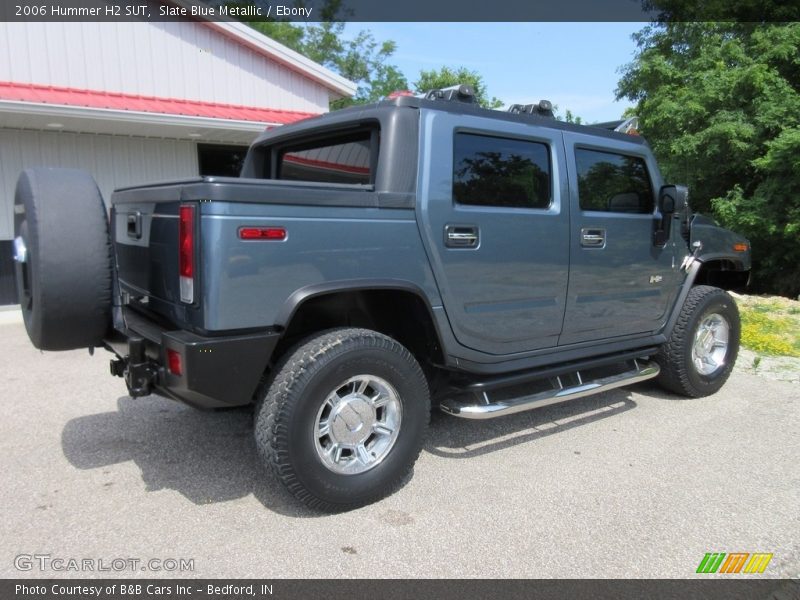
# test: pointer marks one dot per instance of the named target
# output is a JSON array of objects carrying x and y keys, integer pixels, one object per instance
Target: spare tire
[{"x": 63, "y": 255}]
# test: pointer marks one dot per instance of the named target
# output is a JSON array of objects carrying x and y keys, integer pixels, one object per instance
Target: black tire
[
  {"x": 64, "y": 286},
  {"x": 679, "y": 372},
  {"x": 287, "y": 413}
]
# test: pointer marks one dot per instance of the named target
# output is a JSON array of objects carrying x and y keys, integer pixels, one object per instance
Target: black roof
[{"x": 364, "y": 111}]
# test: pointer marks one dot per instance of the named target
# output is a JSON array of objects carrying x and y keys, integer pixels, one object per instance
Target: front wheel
[
  {"x": 343, "y": 421},
  {"x": 698, "y": 358}
]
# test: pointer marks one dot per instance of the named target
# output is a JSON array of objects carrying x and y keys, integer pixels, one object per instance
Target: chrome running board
[{"x": 576, "y": 388}]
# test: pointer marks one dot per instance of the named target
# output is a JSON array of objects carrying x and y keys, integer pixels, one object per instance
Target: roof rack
[
  {"x": 630, "y": 126},
  {"x": 460, "y": 93},
  {"x": 544, "y": 109}
]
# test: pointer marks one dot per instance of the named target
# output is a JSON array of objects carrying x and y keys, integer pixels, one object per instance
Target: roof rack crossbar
[
  {"x": 458, "y": 93},
  {"x": 544, "y": 108}
]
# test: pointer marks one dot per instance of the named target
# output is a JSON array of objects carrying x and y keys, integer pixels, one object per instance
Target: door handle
[
  {"x": 461, "y": 236},
  {"x": 135, "y": 225},
  {"x": 593, "y": 238}
]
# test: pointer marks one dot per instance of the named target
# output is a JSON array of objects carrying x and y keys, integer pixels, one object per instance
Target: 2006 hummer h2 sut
[{"x": 376, "y": 259}]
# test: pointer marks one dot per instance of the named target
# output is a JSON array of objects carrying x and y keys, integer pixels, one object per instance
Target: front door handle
[
  {"x": 461, "y": 236},
  {"x": 593, "y": 237}
]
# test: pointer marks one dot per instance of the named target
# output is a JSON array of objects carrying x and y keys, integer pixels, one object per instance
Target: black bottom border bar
[{"x": 391, "y": 589}]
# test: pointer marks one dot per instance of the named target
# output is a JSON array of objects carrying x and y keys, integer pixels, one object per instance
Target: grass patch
[{"x": 770, "y": 325}]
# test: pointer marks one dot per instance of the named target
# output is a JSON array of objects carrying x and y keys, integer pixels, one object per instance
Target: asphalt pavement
[{"x": 631, "y": 483}]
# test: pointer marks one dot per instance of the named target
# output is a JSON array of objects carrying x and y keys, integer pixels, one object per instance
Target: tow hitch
[{"x": 139, "y": 372}]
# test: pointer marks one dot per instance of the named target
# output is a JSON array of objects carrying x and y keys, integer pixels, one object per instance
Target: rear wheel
[
  {"x": 701, "y": 351},
  {"x": 63, "y": 258},
  {"x": 343, "y": 421}
]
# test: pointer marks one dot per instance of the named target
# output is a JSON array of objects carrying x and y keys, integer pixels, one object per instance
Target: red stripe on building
[{"x": 43, "y": 94}]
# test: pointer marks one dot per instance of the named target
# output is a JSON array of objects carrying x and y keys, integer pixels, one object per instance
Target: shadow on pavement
[
  {"x": 210, "y": 457},
  {"x": 207, "y": 456}
]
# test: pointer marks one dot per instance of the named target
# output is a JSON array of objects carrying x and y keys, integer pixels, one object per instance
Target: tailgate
[
  {"x": 145, "y": 229},
  {"x": 146, "y": 245}
]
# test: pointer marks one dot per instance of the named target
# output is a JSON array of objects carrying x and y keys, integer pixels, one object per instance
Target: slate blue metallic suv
[{"x": 376, "y": 260}]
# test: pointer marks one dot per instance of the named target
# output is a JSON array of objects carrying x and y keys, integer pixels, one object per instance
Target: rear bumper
[{"x": 219, "y": 371}]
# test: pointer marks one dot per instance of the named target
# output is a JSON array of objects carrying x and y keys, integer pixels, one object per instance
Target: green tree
[
  {"x": 568, "y": 117},
  {"x": 720, "y": 105},
  {"x": 446, "y": 77},
  {"x": 361, "y": 59}
]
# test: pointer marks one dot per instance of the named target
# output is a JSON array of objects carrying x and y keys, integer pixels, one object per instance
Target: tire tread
[
  {"x": 276, "y": 397},
  {"x": 675, "y": 375}
]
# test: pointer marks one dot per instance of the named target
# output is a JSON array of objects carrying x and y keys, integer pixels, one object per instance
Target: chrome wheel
[
  {"x": 357, "y": 425},
  {"x": 710, "y": 347}
]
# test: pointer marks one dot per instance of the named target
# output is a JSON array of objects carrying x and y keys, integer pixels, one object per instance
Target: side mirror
[{"x": 672, "y": 199}]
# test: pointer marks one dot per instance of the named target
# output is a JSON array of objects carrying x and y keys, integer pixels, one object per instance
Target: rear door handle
[
  {"x": 593, "y": 237},
  {"x": 461, "y": 236},
  {"x": 135, "y": 225}
]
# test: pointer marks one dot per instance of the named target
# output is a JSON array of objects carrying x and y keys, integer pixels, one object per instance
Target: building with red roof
[{"x": 137, "y": 102}]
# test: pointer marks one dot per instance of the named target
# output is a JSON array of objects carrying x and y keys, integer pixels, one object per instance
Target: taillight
[
  {"x": 174, "y": 362},
  {"x": 186, "y": 252}
]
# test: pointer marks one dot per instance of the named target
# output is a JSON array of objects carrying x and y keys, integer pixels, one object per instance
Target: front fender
[{"x": 718, "y": 243}]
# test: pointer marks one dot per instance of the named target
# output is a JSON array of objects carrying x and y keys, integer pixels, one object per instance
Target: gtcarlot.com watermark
[{"x": 59, "y": 564}]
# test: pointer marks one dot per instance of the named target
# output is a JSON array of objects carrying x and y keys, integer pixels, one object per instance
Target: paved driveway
[{"x": 631, "y": 483}]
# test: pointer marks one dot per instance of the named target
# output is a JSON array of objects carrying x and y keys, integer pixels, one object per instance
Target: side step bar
[{"x": 641, "y": 370}]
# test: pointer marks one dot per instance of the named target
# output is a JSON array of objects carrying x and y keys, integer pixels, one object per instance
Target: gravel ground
[{"x": 630, "y": 483}]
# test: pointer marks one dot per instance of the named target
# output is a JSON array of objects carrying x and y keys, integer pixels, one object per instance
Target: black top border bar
[{"x": 311, "y": 11}]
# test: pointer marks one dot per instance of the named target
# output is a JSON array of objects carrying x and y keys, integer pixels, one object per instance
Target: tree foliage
[
  {"x": 446, "y": 77},
  {"x": 361, "y": 59},
  {"x": 720, "y": 105}
]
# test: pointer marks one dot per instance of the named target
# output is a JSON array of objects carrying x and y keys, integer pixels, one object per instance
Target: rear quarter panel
[{"x": 246, "y": 283}]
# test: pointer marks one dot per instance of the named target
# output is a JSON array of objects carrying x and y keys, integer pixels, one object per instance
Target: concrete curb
[{"x": 10, "y": 314}]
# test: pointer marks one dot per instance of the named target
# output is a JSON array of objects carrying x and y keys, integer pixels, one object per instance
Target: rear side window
[
  {"x": 343, "y": 159},
  {"x": 493, "y": 171},
  {"x": 611, "y": 182}
]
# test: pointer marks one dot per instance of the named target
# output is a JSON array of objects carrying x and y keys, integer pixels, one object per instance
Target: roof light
[{"x": 399, "y": 94}]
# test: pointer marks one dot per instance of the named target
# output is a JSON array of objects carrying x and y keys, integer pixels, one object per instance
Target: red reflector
[
  {"x": 174, "y": 362},
  {"x": 262, "y": 233},
  {"x": 186, "y": 241}
]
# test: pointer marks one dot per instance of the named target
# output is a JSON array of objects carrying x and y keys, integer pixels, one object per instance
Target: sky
[{"x": 574, "y": 65}]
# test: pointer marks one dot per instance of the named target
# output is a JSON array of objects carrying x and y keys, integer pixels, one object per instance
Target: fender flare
[
  {"x": 688, "y": 283},
  {"x": 303, "y": 294}
]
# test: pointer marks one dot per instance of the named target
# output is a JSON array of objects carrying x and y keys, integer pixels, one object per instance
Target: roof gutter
[{"x": 130, "y": 116}]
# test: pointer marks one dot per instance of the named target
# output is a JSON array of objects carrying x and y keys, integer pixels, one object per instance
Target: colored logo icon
[{"x": 734, "y": 562}]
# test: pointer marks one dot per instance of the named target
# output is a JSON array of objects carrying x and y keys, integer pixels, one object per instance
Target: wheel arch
[
  {"x": 724, "y": 272},
  {"x": 397, "y": 308}
]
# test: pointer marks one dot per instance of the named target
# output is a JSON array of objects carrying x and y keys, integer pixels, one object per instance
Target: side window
[
  {"x": 342, "y": 159},
  {"x": 611, "y": 182},
  {"x": 500, "y": 172}
]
